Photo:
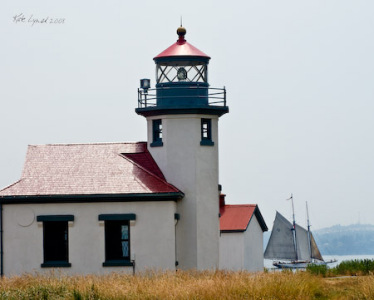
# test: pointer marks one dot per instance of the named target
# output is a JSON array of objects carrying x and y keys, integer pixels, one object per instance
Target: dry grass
[{"x": 187, "y": 285}]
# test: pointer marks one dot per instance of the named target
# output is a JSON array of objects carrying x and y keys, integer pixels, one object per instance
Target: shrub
[
  {"x": 355, "y": 267},
  {"x": 317, "y": 269}
]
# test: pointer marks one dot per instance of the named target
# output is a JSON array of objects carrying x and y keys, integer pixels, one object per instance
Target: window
[
  {"x": 206, "y": 132},
  {"x": 157, "y": 133},
  {"x": 55, "y": 240},
  {"x": 117, "y": 239},
  {"x": 194, "y": 72}
]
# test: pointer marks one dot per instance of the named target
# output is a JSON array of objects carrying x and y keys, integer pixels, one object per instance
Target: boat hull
[
  {"x": 300, "y": 264},
  {"x": 291, "y": 265}
]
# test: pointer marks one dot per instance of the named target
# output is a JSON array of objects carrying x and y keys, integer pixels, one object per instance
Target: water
[{"x": 269, "y": 263}]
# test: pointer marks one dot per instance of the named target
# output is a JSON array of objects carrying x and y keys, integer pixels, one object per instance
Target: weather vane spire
[{"x": 181, "y": 31}]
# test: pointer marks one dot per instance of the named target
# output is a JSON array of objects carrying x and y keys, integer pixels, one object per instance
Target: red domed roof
[{"x": 181, "y": 48}]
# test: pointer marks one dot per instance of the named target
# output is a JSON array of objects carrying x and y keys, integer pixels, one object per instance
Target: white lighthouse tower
[{"x": 182, "y": 114}]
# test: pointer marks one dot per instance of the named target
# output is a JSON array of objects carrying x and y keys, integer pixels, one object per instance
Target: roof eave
[
  {"x": 232, "y": 230},
  {"x": 91, "y": 198},
  {"x": 170, "y": 58},
  {"x": 260, "y": 219}
]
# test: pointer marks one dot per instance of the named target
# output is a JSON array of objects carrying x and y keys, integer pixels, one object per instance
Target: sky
[{"x": 299, "y": 77}]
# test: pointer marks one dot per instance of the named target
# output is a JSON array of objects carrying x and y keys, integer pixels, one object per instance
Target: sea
[{"x": 268, "y": 263}]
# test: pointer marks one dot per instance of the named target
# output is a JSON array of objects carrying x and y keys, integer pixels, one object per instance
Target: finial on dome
[{"x": 181, "y": 31}]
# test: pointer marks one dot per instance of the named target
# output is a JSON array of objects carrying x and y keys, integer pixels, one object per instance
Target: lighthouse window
[
  {"x": 157, "y": 133},
  {"x": 192, "y": 72},
  {"x": 206, "y": 132}
]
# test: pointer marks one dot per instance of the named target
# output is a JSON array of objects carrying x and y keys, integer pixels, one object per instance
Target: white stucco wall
[
  {"x": 231, "y": 251},
  {"x": 242, "y": 250},
  {"x": 152, "y": 236},
  {"x": 194, "y": 170},
  {"x": 253, "y": 247}
]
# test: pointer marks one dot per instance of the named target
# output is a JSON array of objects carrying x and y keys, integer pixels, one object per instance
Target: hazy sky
[{"x": 299, "y": 77}]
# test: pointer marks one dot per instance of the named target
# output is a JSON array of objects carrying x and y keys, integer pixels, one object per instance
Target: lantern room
[
  {"x": 181, "y": 63},
  {"x": 181, "y": 83}
]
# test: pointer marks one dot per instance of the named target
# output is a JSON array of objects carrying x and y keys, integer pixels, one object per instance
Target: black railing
[{"x": 148, "y": 98}]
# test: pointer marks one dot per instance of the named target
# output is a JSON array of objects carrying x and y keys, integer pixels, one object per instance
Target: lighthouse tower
[{"x": 182, "y": 115}]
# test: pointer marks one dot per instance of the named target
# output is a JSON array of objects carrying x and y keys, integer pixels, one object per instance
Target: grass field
[{"x": 188, "y": 285}]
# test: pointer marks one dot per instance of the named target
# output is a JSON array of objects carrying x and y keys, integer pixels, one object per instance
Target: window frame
[
  {"x": 111, "y": 220},
  {"x": 195, "y": 71},
  {"x": 157, "y": 133},
  {"x": 206, "y": 132},
  {"x": 52, "y": 223}
]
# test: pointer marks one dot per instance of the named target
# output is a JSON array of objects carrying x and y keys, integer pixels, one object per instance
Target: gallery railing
[{"x": 153, "y": 97}]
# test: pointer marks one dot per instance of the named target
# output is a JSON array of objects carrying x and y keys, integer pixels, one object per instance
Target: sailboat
[{"x": 292, "y": 246}]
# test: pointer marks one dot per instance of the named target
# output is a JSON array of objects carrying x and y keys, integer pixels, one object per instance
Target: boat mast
[
  {"x": 308, "y": 224},
  {"x": 294, "y": 227}
]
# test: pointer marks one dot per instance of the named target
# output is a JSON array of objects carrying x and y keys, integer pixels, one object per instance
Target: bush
[
  {"x": 317, "y": 269},
  {"x": 355, "y": 267}
]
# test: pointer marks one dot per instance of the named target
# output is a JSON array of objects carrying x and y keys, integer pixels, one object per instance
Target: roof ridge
[
  {"x": 149, "y": 172},
  {"x": 9, "y": 186},
  {"x": 145, "y": 152}
]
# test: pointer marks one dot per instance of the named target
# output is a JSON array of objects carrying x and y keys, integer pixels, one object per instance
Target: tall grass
[{"x": 187, "y": 285}]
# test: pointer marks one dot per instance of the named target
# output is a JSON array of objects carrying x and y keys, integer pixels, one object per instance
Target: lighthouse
[
  {"x": 135, "y": 206},
  {"x": 182, "y": 114}
]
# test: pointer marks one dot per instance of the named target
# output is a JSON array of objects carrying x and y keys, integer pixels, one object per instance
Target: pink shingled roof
[
  {"x": 236, "y": 217},
  {"x": 83, "y": 169}
]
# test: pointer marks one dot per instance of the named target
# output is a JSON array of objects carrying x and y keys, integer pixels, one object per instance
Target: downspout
[
  {"x": 1, "y": 242},
  {"x": 176, "y": 219}
]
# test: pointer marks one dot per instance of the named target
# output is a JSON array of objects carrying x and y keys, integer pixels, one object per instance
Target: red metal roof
[
  {"x": 145, "y": 160},
  {"x": 185, "y": 49},
  {"x": 84, "y": 169},
  {"x": 237, "y": 217},
  {"x": 181, "y": 48}
]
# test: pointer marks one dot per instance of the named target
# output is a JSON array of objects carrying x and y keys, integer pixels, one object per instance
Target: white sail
[
  {"x": 297, "y": 246},
  {"x": 302, "y": 243},
  {"x": 281, "y": 244},
  {"x": 314, "y": 249}
]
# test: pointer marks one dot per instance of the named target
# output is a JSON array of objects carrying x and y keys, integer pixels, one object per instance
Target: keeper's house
[{"x": 96, "y": 208}]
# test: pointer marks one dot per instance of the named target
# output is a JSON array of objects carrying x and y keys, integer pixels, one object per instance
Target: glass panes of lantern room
[{"x": 181, "y": 73}]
